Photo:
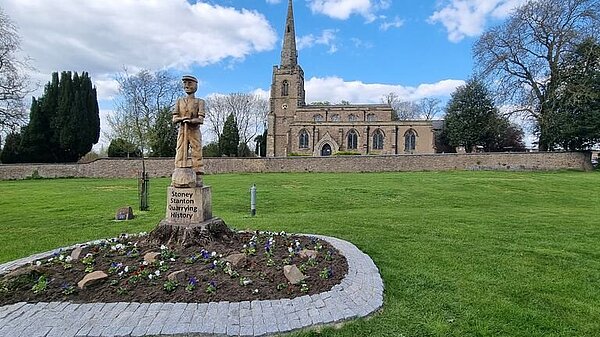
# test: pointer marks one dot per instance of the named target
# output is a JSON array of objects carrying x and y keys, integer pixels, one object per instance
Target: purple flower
[{"x": 193, "y": 281}]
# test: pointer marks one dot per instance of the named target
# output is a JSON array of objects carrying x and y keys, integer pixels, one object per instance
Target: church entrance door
[{"x": 326, "y": 150}]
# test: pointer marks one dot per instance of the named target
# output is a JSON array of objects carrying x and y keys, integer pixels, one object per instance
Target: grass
[{"x": 461, "y": 253}]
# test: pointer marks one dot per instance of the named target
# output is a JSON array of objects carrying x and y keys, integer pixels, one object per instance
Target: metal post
[{"x": 253, "y": 200}]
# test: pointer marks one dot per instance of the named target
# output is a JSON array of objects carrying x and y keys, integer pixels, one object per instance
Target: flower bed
[{"x": 245, "y": 267}]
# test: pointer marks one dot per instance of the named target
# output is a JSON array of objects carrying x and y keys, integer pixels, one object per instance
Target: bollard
[{"x": 253, "y": 200}]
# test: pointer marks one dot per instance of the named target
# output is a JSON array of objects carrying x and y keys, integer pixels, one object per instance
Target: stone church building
[{"x": 295, "y": 128}]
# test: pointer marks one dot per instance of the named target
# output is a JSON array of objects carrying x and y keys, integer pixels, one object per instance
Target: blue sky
[{"x": 354, "y": 50}]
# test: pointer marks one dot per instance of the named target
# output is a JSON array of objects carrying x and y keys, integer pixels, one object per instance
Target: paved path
[{"x": 359, "y": 294}]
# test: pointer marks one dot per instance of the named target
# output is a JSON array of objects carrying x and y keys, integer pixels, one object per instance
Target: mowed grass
[{"x": 461, "y": 253}]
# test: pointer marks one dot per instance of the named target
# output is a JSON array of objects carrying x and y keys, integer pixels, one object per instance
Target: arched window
[
  {"x": 303, "y": 139},
  {"x": 352, "y": 118},
  {"x": 410, "y": 141},
  {"x": 377, "y": 140},
  {"x": 352, "y": 140},
  {"x": 371, "y": 118},
  {"x": 335, "y": 118},
  {"x": 285, "y": 88},
  {"x": 318, "y": 118}
]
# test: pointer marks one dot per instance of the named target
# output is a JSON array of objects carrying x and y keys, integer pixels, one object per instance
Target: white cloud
[
  {"x": 273, "y": 2},
  {"x": 103, "y": 37},
  {"x": 343, "y": 9},
  {"x": 327, "y": 38},
  {"x": 395, "y": 23},
  {"x": 335, "y": 89},
  {"x": 463, "y": 18}
]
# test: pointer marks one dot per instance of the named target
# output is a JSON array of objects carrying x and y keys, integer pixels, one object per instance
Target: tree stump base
[{"x": 173, "y": 234}]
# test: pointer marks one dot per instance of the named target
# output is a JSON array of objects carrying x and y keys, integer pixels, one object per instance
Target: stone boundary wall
[{"x": 162, "y": 167}]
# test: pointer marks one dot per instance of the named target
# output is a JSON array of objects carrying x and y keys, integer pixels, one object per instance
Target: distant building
[{"x": 295, "y": 128}]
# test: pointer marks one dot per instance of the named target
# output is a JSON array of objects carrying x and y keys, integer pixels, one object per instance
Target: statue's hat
[{"x": 189, "y": 78}]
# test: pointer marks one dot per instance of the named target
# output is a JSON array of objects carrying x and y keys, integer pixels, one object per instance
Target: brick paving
[{"x": 358, "y": 295}]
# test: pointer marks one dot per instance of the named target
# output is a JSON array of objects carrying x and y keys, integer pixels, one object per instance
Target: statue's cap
[{"x": 189, "y": 78}]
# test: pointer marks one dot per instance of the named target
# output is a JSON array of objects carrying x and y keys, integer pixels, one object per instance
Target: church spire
[{"x": 289, "y": 54}]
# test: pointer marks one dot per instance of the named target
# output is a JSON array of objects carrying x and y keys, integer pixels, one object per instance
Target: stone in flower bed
[{"x": 243, "y": 267}]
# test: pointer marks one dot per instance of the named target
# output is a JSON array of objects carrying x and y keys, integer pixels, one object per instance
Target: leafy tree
[
  {"x": 471, "y": 117},
  {"x": 523, "y": 55},
  {"x": 163, "y": 140},
  {"x": 64, "y": 123},
  {"x": 14, "y": 83},
  {"x": 244, "y": 151},
  {"x": 575, "y": 125},
  {"x": 122, "y": 148},
  {"x": 211, "y": 150},
  {"x": 12, "y": 151},
  {"x": 230, "y": 139}
]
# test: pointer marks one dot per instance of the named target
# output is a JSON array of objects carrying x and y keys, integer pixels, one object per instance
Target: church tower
[{"x": 287, "y": 92}]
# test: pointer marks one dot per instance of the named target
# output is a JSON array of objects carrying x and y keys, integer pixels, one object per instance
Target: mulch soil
[{"x": 207, "y": 275}]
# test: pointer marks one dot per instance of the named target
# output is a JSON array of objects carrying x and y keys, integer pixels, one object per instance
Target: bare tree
[
  {"x": 523, "y": 56},
  {"x": 14, "y": 83},
  {"x": 140, "y": 99},
  {"x": 429, "y": 107},
  {"x": 403, "y": 110},
  {"x": 249, "y": 110}
]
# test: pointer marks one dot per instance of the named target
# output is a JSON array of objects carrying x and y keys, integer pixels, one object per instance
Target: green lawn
[{"x": 461, "y": 253}]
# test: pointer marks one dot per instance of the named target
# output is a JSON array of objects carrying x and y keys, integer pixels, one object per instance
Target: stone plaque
[
  {"x": 124, "y": 213},
  {"x": 188, "y": 205}
]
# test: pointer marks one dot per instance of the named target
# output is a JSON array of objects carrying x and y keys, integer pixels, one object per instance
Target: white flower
[
  {"x": 120, "y": 274},
  {"x": 290, "y": 249},
  {"x": 126, "y": 269},
  {"x": 145, "y": 263},
  {"x": 68, "y": 259},
  {"x": 157, "y": 273},
  {"x": 172, "y": 259},
  {"x": 213, "y": 254},
  {"x": 163, "y": 247},
  {"x": 61, "y": 257},
  {"x": 245, "y": 246},
  {"x": 161, "y": 263},
  {"x": 150, "y": 276},
  {"x": 38, "y": 263},
  {"x": 255, "y": 291}
]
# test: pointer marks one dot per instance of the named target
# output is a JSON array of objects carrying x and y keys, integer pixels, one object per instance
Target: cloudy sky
[{"x": 353, "y": 50}]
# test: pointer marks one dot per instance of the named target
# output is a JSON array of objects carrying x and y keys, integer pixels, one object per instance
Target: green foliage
[
  {"x": 163, "y": 138},
  {"x": 244, "y": 151},
  {"x": 229, "y": 140},
  {"x": 11, "y": 153},
  {"x": 211, "y": 150},
  {"x": 122, "y": 148},
  {"x": 575, "y": 125},
  {"x": 473, "y": 120},
  {"x": 64, "y": 123}
]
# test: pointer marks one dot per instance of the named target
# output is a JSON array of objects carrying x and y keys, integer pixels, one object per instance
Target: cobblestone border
[{"x": 359, "y": 294}]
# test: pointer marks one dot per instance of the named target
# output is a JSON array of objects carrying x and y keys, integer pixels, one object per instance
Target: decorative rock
[
  {"x": 177, "y": 276},
  {"x": 124, "y": 213},
  {"x": 293, "y": 274},
  {"x": 91, "y": 278},
  {"x": 307, "y": 253},
  {"x": 150, "y": 257},
  {"x": 76, "y": 253},
  {"x": 235, "y": 259}
]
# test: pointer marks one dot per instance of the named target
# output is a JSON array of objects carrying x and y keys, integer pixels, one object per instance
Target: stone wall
[{"x": 162, "y": 167}]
